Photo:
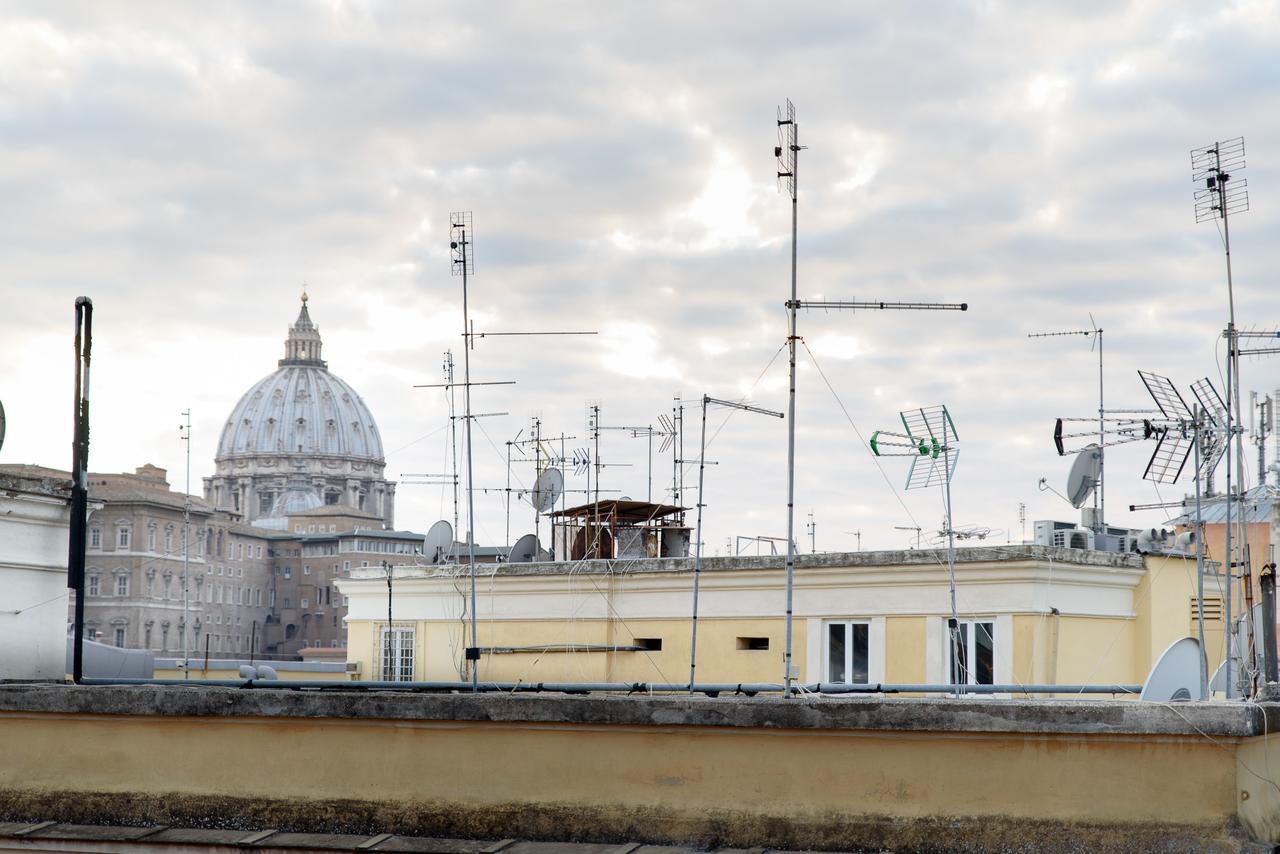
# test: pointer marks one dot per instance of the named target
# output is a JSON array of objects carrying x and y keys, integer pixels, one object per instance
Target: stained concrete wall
[{"x": 818, "y": 773}]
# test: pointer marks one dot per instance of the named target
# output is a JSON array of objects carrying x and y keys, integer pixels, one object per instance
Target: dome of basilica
[
  {"x": 302, "y": 408},
  {"x": 300, "y": 430}
]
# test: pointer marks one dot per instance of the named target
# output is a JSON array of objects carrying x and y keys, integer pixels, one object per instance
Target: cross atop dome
[{"x": 302, "y": 347}]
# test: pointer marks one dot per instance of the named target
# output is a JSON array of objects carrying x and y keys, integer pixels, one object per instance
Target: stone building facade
[
  {"x": 266, "y": 592},
  {"x": 302, "y": 428}
]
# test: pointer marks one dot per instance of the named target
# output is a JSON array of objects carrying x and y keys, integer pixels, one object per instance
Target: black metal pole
[{"x": 79, "y": 479}]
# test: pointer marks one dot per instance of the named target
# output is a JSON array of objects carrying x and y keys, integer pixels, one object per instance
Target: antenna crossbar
[{"x": 878, "y": 305}]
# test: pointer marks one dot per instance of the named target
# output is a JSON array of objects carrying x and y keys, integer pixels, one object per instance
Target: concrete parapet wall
[{"x": 818, "y": 773}]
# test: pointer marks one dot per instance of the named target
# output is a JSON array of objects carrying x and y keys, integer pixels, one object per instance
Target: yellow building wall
[
  {"x": 654, "y": 780},
  {"x": 1047, "y": 648},
  {"x": 904, "y": 640},
  {"x": 720, "y": 659}
]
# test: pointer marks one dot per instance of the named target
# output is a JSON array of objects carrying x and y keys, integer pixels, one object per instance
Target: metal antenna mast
[
  {"x": 1217, "y": 200},
  {"x": 934, "y": 447},
  {"x": 453, "y": 431},
  {"x": 461, "y": 237},
  {"x": 859, "y": 535},
  {"x": 185, "y": 433},
  {"x": 697, "y": 554},
  {"x": 460, "y": 233},
  {"x": 1099, "y": 495},
  {"x": 787, "y": 152}
]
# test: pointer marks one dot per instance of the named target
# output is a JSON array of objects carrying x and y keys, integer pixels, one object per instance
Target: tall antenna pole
[
  {"x": 1204, "y": 661},
  {"x": 1217, "y": 200},
  {"x": 697, "y": 553},
  {"x": 507, "y": 540},
  {"x": 453, "y": 431},
  {"x": 460, "y": 225},
  {"x": 951, "y": 552},
  {"x": 788, "y": 154},
  {"x": 537, "y": 470},
  {"x": 186, "y": 543}
]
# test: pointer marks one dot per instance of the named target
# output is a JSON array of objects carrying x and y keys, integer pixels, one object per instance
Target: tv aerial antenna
[
  {"x": 707, "y": 400},
  {"x": 915, "y": 528},
  {"x": 857, "y": 534},
  {"x": 1180, "y": 434},
  {"x": 787, "y": 152},
  {"x": 1223, "y": 194},
  {"x": 462, "y": 263},
  {"x": 664, "y": 432},
  {"x": 931, "y": 441},
  {"x": 1095, "y": 338}
]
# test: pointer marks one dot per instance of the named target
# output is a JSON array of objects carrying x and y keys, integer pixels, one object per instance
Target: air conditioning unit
[
  {"x": 1073, "y": 538},
  {"x": 1063, "y": 535}
]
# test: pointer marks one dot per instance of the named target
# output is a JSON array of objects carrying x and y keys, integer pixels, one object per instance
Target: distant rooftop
[{"x": 1257, "y": 504}]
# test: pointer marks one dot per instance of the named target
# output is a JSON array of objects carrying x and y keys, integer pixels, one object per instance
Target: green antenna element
[{"x": 929, "y": 439}]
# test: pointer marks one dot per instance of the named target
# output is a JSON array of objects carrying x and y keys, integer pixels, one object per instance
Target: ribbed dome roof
[{"x": 302, "y": 408}]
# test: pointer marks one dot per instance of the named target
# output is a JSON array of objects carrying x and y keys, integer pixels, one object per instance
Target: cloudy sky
[{"x": 188, "y": 167}]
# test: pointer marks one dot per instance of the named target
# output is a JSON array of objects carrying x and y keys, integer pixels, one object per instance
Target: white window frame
[
  {"x": 94, "y": 586},
  {"x": 120, "y": 636},
  {"x": 95, "y": 538},
  {"x": 122, "y": 585},
  {"x": 401, "y": 648},
  {"x": 848, "y": 650},
  {"x": 123, "y": 536}
]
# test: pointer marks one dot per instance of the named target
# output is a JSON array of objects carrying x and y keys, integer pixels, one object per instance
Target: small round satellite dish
[
  {"x": 546, "y": 490},
  {"x": 525, "y": 550},
  {"x": 1176, "y": 675},
  {"x": 438, "y": 541},
  {"x": 1, "y": 424},
  {"x": 1083, "y": 479},
  {"x": 625, "y": 498}
]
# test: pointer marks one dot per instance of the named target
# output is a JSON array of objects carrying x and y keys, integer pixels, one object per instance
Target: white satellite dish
[
  {"x": 546, "y": 490},
  {"x": 1083, "y": 478},
  {"x": 1176, "y": 675},
  {"x": 525, "y": 550},
  {"x": 438, "y": 542}
]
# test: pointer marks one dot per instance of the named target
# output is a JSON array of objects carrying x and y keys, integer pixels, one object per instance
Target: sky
[{"x": 190, "y": 167}]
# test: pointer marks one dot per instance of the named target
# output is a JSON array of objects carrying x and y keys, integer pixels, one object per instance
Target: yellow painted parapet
[{"x": 794, "y": 773}]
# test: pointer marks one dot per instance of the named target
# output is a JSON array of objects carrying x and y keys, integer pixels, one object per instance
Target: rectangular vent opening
[
  {"x": 753, "y": 643},
  {"x": 648, "y": 643},
  {"x": 1212, "y": 609}
]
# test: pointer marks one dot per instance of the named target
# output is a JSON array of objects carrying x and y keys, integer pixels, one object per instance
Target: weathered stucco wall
[{"x": 799, "y": 773}]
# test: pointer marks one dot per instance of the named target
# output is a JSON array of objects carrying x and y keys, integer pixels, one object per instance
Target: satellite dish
[
  {"x": 1176, "y": 675},
  {"x": 625, "y": 498},
  {"x": 1, "y": 424},
  {"x": 525, "y": 550},
  {"x": 1083, "y": 479},
  {"x": 438, "y": 542},
  {"x": 546, "y": 490}
]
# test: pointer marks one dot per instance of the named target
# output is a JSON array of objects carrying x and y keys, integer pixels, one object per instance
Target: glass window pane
[
  {"x": 984, "y": 668},
  {"x": 835, "y": 652},
  {"x": 860, "y": 633}
]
